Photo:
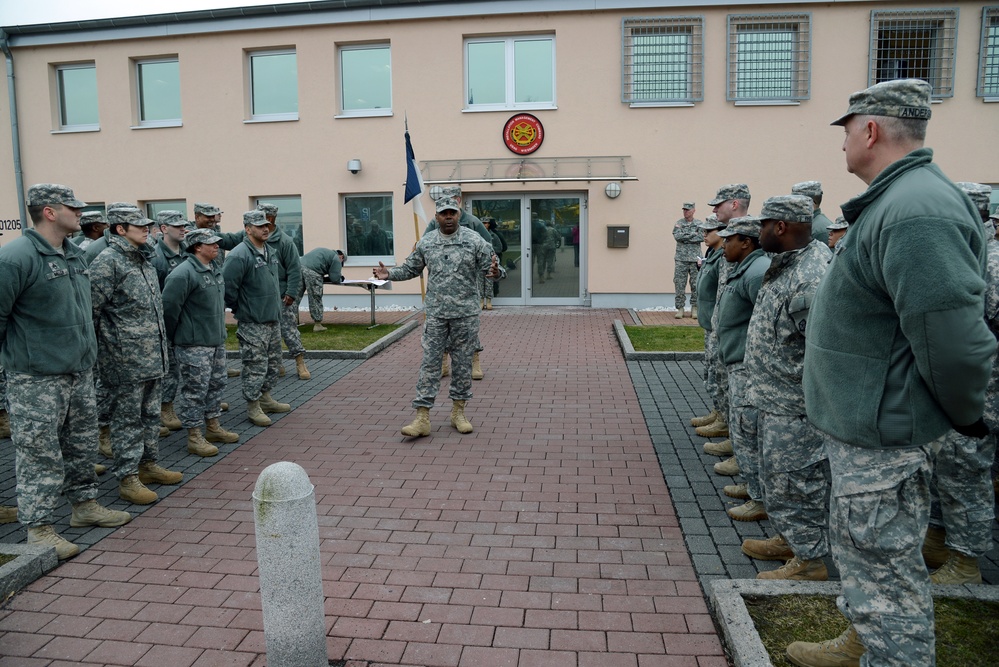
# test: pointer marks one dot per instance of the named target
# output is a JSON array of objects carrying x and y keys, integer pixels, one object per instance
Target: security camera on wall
[{"x": 354, "y": 166}]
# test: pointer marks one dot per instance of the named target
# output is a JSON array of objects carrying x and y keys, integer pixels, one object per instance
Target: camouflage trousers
[
  {"x": 545, "y": 259},
  {"x": 103, "y": 401},
  {"x": 172, "y": 379},
  {"x": 260, "y": 352},
  {"x": 877, "y": 522},
  {"x": 683, "y": 273},
  {"x": 289, "y": 330},
  {"x": 202, "y": 383},
  {"x": 312, "y": 283},
  {"x": 53, "y": 422},
  {"x": 961, "y": 493},
  {"x": 719, "y": 398},
  {"x": 795, "y": 474},
  {"x": 3, "y": 389},
  {"x": 135, "y": 425},
  {"x": 744, "y": 431},
  {"x": 458, "y": 335}
]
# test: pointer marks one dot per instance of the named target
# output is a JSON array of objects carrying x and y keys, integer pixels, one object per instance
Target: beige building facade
[{"x": 582, "y": 125}]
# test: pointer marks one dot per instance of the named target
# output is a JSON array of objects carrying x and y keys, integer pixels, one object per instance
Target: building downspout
[{"x": 15, "y": 138}]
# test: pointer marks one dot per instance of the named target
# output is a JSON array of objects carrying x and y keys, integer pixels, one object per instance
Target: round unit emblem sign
[{"x": 523, "y": 134}]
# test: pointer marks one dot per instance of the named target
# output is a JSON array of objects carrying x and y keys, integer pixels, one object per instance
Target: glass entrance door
[{"x": 544, "y": 236}]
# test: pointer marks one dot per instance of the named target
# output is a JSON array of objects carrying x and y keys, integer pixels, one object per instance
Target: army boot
[
  {"x": 739, "y": 491},
  {"x": 476, "y": 367},
  {"x": 164, "y": 431},
  {"x": 489, "y": 304},
  {"x": 419, "y": 426},
  {"x": 844, "y": 651},
  {"x": 751, "y": 510},
  {"x": 215, "y": 433},
  {"x": 705, "y": 420},
  {"x": 458, "y": 419},
  {"x": 935, "y": 551},
  {"x": 47, "y": 537},
  {"x": 8, "y": 514},
  {"x": 168, "y": 417},
  {"x": 256, "y": 415},
  {"x": 679, "y": 314},
  {"x": 281, "y": 370},
  {"x": 716, "y": 429},
  {"x": 728, "y": 467},
  {"x": 4, "y": 424},
  {"x": 100, "y": 469},
  {"x": 693, "y": 311},
  {"x": 104, "y": 442},
  {"x": 959, "y": 569},
  {"x": 445, "y": 367},
  {"x": 232, "y": 372},
  {"x": 196, "y": 443},
  {"x": 723, "y": 448},
  {"x": 92, "y": 513},
  {"x": 774, "y": 548},
  {"x": 223, "y": 406},
  {"x": 268, "y": 404},
  {"x": 482, "y": 305},
  {"x": 134, "y": 491},
  {"x": 151, "y": 472},
  {"x": 317, "y": 327},
  {"x": 798, "y": 570},
  {"x": 303, "y": 371}
]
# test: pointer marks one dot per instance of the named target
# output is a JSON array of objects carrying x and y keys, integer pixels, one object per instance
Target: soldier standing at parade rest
[
  {"x": 93, "y": 224},
  {"x": 48, "y": 350},
  {"x": 820, "y": 223},
  {"x": 456, "y": 259},
  {"x": 885, "y": 375},
  {"x": 688, "y": 235},
  {"x": 837, "y": 230},
  {"x": 316, "y": 265},
  {"x": 169, "y": 255}
]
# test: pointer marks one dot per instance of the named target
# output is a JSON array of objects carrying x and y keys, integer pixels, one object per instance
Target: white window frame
[
  {"x": 941, "y": 63},
  {"x": 988, "y": 65},
  {"x": 269, "y": 117},
  {"x": 799, "y": 65},
  {"x": 367, "y": 112},
  {"x": 367, "y": 260},
  {"x": 508, "y": 104},
  {"x": 690, "y": 26},
  {"x": 137, "y": 65},
  {"x": 59, "y": 117}
]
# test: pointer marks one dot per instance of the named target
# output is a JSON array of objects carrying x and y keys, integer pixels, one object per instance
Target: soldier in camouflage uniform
[
  {"x": 132, "y": 347},
  {"x": 253, "y": 294},
  {"x": 794, "y": 468},
  {"x": 168, "y": 256},
  {"x": 316, "y": 266},
  {"x": 194, "y": 316},
  {"x": 48, "y": 349},
  {"x": 837, "y": 230},
  {"x": 820, "y": 223},
  {"x": 707, "y": 284},
  {"x": 456, "y": 259},
  {"x": 689, "y": 235},
  {"x": 93, "y": 224}
]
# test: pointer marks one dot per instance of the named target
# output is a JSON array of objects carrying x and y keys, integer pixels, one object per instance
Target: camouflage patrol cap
[
  {"x": 447, "y": 204},
  {"x": 47, "y": 194},
  {"x": 128, "y": 216},
  {"x": 748, "y": 225},
  {"x": 731, "y": 191},
  {"x": 255, "y": 218},
  {"x": 808, "y": 188},
  {"x": 979, "y": 193},
  {"x": 121, "y": 204},
  {"x": 92, "y": 218},
  {"x": 901, "y": 98},
  {"x": 268, "y": 209},
  {"x": 995, "y": 215},
  {"x": 200, "y": 236},
  {"x": 171, "y": 218},
  {"x": 206, "y": 209},
  {"x": 451, "y": 191},
  {"x": 789, "y": 208},
  {"x": 687, "y": 205},
  {"x": 711, "y": 222},
  {"x": 838, "y": 223}
]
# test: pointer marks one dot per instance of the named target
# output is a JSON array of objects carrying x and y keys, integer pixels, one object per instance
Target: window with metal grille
[
  {"x": 769, "y": 57},
  {"x": 662, "y": 60},
  {"x": 988, "y": 70},
  {"x": 914, "y": 44}
]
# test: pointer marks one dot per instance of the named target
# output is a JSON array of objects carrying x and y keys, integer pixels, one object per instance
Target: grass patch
[
  {"x": 665, "y": 338},
  {"x": 336, "y": 337},
  {"x": 967, "y": 630},
  {"x": 6, "y": 558}
]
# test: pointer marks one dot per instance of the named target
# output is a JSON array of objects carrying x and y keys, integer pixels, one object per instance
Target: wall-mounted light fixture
[
  {"x": 354, "y": 166},
  {"x": 613, "y": 190}
]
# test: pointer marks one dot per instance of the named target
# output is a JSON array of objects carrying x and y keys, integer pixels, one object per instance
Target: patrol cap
[
  {"x": 48, "y": 194},
  {"x": 901, "y": 98},
  {"x": 731, "y": 191},
  {"x": 789, "y": 208},
  {"x": 748, "y": 225},
  {"x": 121, "y": 204},
  {"x": 838, "y": 223},
  {"x": 199, "y": 236},
  {"x": 268, "y": 209},
  {"x": 808, "y": 188},
  {"x": 995, "y": 215},
  {"x": 171, "y": 218},
  {"x": 687, "y": 205},
  {"x": 92, "y": 218},
  {"x": 128, "y": 216},
  {"x": 451, "y": 191},
  {"x": 979, "y": 193},
  {"x": 206, "y": 209},
  {"x": 255, "y": 218},
  {"x": 711, "y": 222},
  {"x": 447, "y": 204}
]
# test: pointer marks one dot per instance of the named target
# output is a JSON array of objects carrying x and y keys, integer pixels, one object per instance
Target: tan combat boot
[
  {"x": 419, "y": 426},
  {"x": 482, "y": 305},
  {"x": 92, "y": 513},
  {"x": 232, "y": 372},
  {"x": 844, "y": 651},
  {"x": 489, "y": 304},
  {"x": 693, "y": 312},
  {"x": 723, "y": 448},
  {"x": 739, "y": 491},
  {"x": 773, "y": 548},
  {"x": 8, "y": 514},
  {"x": 168, "y": 417},
  {"x": 268, "y": 404},
  {"x": 959, "y": 569},
  {"x": 798, "y": 570},
  {"x": 135, "y": 492},
  {"x": 215, "y": 433},
  {"x": 303, "y": 372},
  {"x": 317, "y": 327},
  {"x": 445, "y": 366},
  {"x": 705, "y": 420},
  {"x": 196, "y": 443},
  {"x": 751, "y": 510},
  {"x": 458, "y": 419},
  {"x": 679, "y": 314},
  {"x": 100, "y": 469},
  {"x": 281, "y": 370},
  {"x": 104, "y": 442},
  {"x": 164, "y": 431},
  {"x": 4, "y": 424},
  {"x": 728, "y": 467},
  {"x": 935, "y": 551},
  {"x": 716, "y": 429},
  {"x": 47, "y": 537},
  {"x": 476, "y": 367},
  {"x": 151, "y": 472},
  {"x": 256, "y": 415},
  {"x": 223, "y": 406}
]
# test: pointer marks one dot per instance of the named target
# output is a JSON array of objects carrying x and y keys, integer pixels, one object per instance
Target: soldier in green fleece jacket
[{"x": 897, "y": 353}]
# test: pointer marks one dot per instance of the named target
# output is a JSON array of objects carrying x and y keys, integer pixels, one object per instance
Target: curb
[
  {"x": 31, "y": 563},
  {"x": 631, "y": 355},
  {"x": 366, "y": 353}
]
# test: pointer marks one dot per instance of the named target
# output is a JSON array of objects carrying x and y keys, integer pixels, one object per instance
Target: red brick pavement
[{"x": 545, "y": 538}]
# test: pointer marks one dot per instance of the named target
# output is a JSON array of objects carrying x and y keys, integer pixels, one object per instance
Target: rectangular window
[
  {"x": 289, "y": 217},
  {"x": 510, "y": 73},
  {"x": 769, "y": 57},
  {"x": 366, "y": 80},
  {"x": 157, "y": 84},
  {"x": 663, "y": 60},
  {"x": 77, "y": 97},
  {"x": 273, "y": 85},
  {"x": 368, "y": 228},
  {"x": 914, "y": 44},
  {"x": 988, "y": 70},
  {"x": 154, "y": 207}
]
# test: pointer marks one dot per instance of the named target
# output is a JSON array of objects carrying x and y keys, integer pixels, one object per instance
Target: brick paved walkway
[{"x": 545, "y": 538}]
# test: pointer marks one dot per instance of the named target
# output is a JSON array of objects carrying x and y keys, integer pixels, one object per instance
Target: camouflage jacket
[
  {"x": 128, "y": 314},
  {"x": 775, "y": 342},
  {"x": 688, "y": 236},
  {"x": 992, "y": 320},
  {"x": 455, "y": 266}
]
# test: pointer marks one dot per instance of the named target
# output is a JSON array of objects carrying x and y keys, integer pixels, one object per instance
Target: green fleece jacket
[
  {"x": 735, "y": 305},
  {"x": 194, "y": 304},
  {"x": 707, "y": 287},
  {"x": 251, "y": 284},
  {"x": 897, "y": 351}
]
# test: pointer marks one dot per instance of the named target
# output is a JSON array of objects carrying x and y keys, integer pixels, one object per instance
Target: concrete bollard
[{"x": 291, "y": 585}]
